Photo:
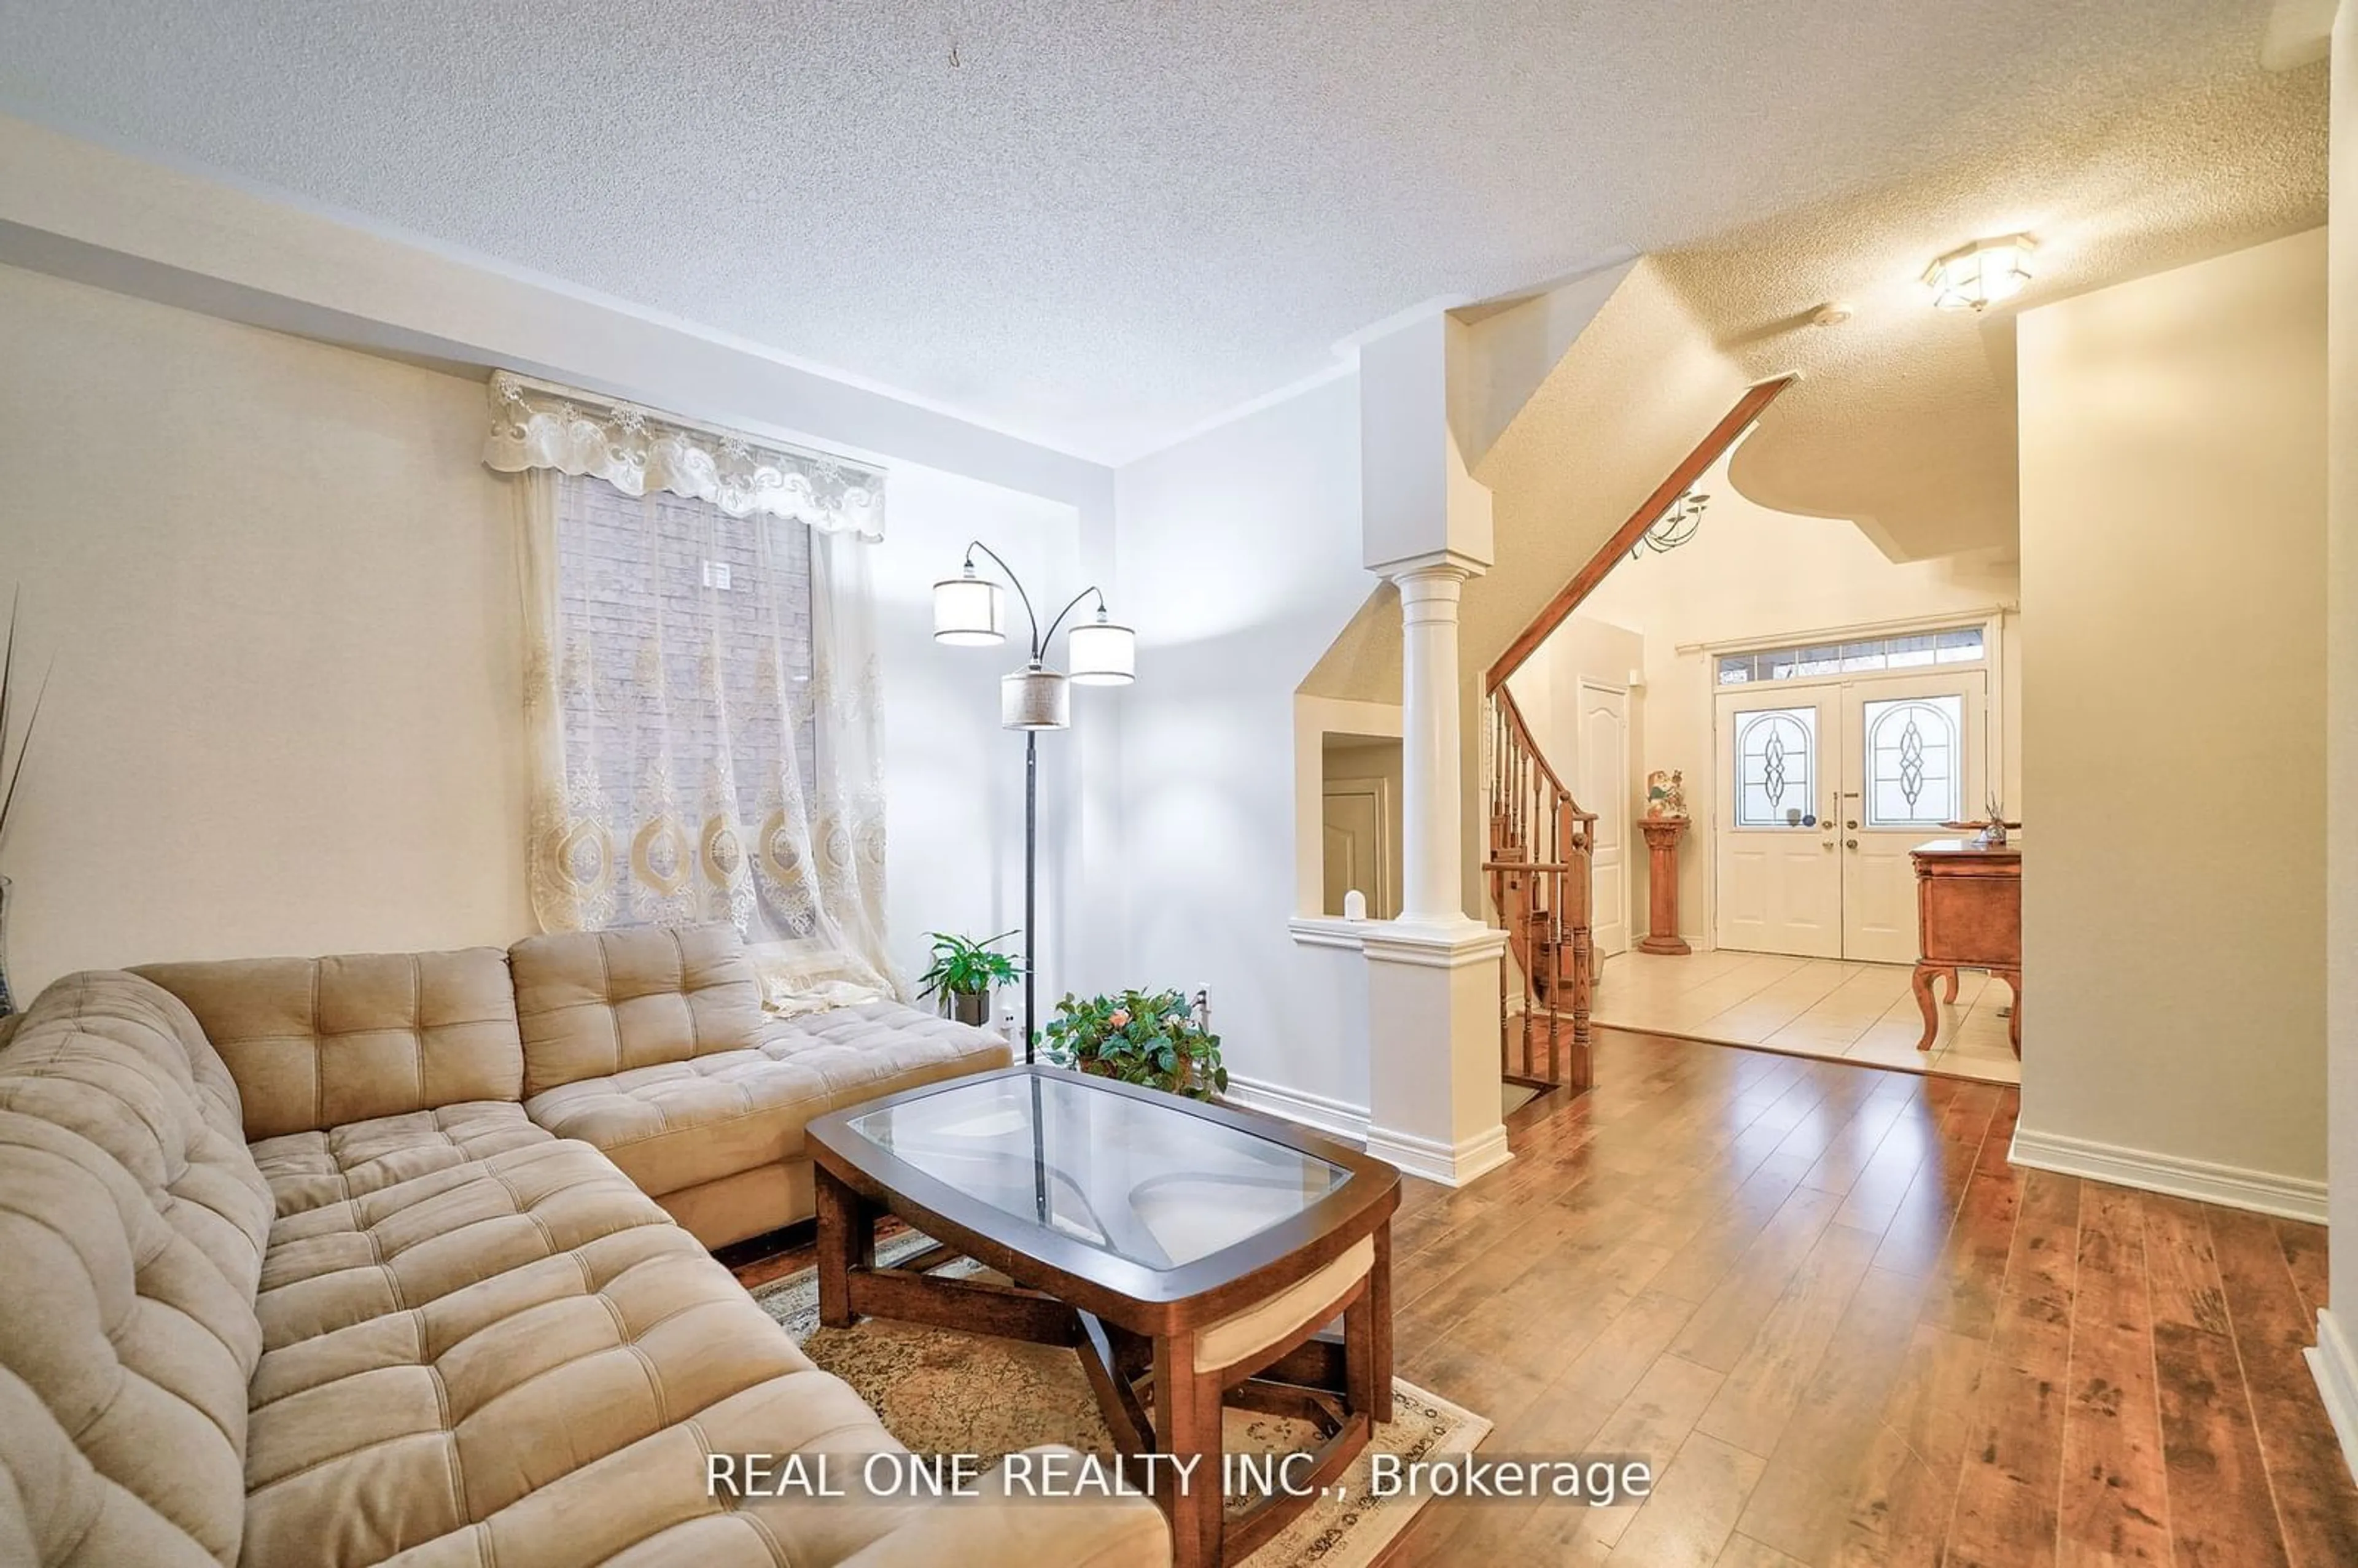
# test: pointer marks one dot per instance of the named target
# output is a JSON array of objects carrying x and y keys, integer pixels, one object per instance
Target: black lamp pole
[{"x": 1039, "y": 648}]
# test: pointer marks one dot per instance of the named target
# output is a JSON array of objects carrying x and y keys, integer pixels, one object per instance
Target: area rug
[{"x": 944, "y": 1392}]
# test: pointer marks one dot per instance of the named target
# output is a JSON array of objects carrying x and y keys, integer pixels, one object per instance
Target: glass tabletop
[{"x": 1146, "y": 1182}]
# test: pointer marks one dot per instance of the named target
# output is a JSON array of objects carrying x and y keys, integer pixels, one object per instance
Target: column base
[
  {"x": 1432, "y": 1047},
  {"x": 1669, "y": 946},
  {"x": 1453, "y": 1165}
]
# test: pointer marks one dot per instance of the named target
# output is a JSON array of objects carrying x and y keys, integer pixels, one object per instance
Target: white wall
[
  {"x": 1547, "y": 689},
  {"x": 1239, "y": 558},
  {"x": 2174, "y": 612},
  {"x": 2339, "y": 1364},
  {"x": 1752, "y": 573},
  {"x": 281, "y": 589},
  {"x": 954, "y": 779}
]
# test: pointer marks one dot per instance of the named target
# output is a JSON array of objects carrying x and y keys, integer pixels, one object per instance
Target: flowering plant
[{"x": 1151, "y": 1038}]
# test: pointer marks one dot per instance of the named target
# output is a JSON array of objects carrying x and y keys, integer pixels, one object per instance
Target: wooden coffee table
[{"x": 1192, "y": 1256}]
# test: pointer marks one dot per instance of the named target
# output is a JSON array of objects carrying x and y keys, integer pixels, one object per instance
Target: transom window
[{"x": 1958, "y": 645}]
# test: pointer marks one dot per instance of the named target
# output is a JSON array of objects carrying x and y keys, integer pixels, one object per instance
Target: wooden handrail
[{"x": 1558, "y": 609}]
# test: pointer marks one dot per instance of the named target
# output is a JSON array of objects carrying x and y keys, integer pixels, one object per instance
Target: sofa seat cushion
[
  {"x": 403, "y": 1247},
  {"x": 882, "y": 1047},
  {"x": 681, "y": 1124},
  {"x": 390, "y": 1433},
  {"x": 306, "y": 1169}
]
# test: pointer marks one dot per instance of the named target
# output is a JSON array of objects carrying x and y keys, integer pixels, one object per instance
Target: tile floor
[{"x": 1812, "y": 1007}]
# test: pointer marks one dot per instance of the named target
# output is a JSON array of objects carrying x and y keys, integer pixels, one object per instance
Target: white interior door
[
  {"x": 1603, "y": 787},
  {"x": 1912, "y": 760},
  {"x": 1356, "y": 837},
  {"x": 1778, "y": 863}
]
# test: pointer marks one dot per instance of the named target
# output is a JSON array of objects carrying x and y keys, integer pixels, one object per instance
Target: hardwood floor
[{"x": 1845, "y": 1331}]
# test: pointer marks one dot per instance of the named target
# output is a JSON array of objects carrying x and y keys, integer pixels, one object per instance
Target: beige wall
[
  {"x": 2173, "y": 506},
  {"x": 1758, "y": 575},
  {"x": 278, "y": 586},
  {"x": 280, "y": 589}
]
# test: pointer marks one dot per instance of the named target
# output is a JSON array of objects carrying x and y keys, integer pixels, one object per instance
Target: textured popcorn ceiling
[
  {"x": 1110, "y": 220},
  {"x": 1903, "y": 419}
]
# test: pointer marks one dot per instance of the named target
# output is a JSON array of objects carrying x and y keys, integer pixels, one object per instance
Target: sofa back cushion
[
  {"x": 133, "y": 1222},
  {"x": 591, "y": 1003},
  {"x": 316, "y": 1042}
]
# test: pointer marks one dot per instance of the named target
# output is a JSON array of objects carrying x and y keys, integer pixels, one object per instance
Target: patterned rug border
[{"x": 1350, "y": 1532}]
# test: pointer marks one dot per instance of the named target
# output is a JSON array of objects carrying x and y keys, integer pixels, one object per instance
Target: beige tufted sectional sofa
[{"x": 401, "y": 1258}]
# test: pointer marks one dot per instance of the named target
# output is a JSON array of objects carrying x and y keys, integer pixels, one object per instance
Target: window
[
  {"x": 1776, "y": 768},
  {"x": 685, "y": 695},
  {"x": 1958, "y": 645},
  {"x": 1912, "y": 753}
]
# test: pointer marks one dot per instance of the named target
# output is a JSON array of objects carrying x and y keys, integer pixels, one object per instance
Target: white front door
[
  {"x": 1911, "y": 761},
  {"x": 1603, "y": 787},
  {"x": 1824, "y": 788},
  {"x": 1778, "y": 863}
]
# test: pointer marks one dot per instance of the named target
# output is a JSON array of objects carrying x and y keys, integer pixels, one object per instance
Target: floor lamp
[{"x": 971, "y": 612}]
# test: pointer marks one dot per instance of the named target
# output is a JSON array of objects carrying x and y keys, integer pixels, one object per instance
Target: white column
[
  {"x": 1433, "y": 974},
  {"x": 1432, "y": 837}
]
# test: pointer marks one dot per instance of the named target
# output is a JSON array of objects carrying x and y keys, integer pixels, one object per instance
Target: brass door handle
[{"x": 1850, "y": 843}]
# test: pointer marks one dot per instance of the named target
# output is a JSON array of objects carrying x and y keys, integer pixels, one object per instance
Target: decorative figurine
[
  {"x": 1666, "y": 795},
  {"x": 1990, "y": 833}
]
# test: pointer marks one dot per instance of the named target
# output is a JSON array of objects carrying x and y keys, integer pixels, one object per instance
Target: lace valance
[{"x": 635, "y": 450}]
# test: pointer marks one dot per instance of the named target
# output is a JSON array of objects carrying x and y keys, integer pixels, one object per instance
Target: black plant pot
[{"x": 971, "y": 1008}]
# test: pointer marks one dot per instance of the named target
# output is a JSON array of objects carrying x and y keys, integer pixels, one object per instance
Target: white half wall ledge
[
  {"x": 1336, "y": 1119},
  {"x": 2336, "y": 1372},
  {"x": 1452, "y": 1166},
  {"x": 1424, "y": 944},
  {"x": 1329, "y": 931},
  {"x": 2263, "y": 1192}
]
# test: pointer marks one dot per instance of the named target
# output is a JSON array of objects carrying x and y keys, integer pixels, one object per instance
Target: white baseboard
[
  {"x": 2291, "y": 1198},
  {"x": 1451, "y": 1165},
  {"x": 1331, "y": 1117},
  {"x": 2336, "y": 1372}
]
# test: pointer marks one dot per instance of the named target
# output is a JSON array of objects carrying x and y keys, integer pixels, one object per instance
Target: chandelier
[{"x": 1673, "y": 527}]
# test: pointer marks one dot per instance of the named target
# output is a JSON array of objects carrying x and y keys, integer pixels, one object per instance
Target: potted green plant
[
  {"x": 1138, "y": 1037},
  {"x": 963, "y": 973}
]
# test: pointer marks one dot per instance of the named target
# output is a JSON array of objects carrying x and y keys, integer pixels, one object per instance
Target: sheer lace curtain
[{"x": 701, "y": 692}]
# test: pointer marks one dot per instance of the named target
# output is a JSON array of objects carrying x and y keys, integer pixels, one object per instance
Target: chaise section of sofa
[
  {"x": 651, "y": 1042},
  {"x": 433, "y": 1334}
]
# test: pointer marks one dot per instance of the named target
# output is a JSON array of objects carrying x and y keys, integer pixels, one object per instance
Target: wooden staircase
[{"x": 1538, "y": 864}]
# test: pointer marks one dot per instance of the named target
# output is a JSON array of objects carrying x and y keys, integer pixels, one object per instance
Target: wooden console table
[
  {"x": 1663, "y": 836},
  {"x": 1968, "y": 916}
]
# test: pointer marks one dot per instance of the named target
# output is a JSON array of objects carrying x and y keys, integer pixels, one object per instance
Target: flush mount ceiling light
[{"x": 1980, "y": 274}]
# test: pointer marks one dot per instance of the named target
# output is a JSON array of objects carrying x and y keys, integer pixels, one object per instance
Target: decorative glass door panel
[
  {"x": 1915, "y": 761},
  {"x": 1777, "y": 762},
  {"x": 1778, "y": 869}
]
